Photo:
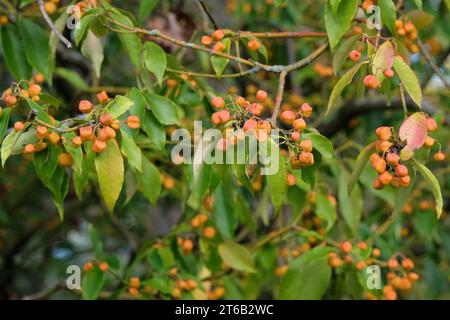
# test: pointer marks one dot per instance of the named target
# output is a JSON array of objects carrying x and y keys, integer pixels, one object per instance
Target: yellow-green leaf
[
  {"x": 236, "y": 256},
  {"x": 409, "y": 80}
]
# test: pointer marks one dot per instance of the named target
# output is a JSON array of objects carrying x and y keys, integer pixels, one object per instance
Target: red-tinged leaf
[
  {"x": 406, "y": 153},
  {"x": 383, "y": 60},
  {"x": 414, "y": 131}
]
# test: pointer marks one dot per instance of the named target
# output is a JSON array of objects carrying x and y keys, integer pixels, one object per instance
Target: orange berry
[
  {"x": 54, "y": 138},
  {"x": 3, "y": 20},
  {"x": 191, "y": 284},
  {"x": 41, "y": 146},
  {"x": 389, "y": 73},
  {"x": 103, "y": 266},
  {"x": 377, "y": 184},
  {"x": 88, "y": 266},
  {"x": 374, "y": 157},
  {"x": 380, "y": 166},
  {"x": 65, "y": 160},
  {"x": 133, "y": 122},
  {"x": 299, "y": 124},
  {"x": 401, "y": 170},
  {"x": 188, "y": 245},
  {"x": 29, "y": 149},
  {"x": 41, "y": 132},
  {"x": 335, "y": 262},
  {"x": 362, "y": 246},
  {"x": 429, "y": 142},
  {"x": 10, "y": 100},
  {"x": 35, "y": 89},
  {"x": 383, "y": 146},
  {"x": 290, "y": 180},
  {"x": 18, "y": 126},
  {"x": 281, "y": 270},
  {"x": 254, "y": 45},
  {"x": 250, "y": 124},
  {"x": 38, "y": 78},
  {"x": 173, "y": 272},
  {"x": 76, "y": 141},
  {"x": 261, "y": 95},
  {"x": 218, "y": 293},
  {"x": 439, "y": 156},
  {"x": 306, "y": 110},
  {"x": 295, "y": 136},
  {"x": 218, "y": 102},
  {"x": 306, "y": 145},
  {"x": 50, "y": 7},
  {"x": 99, "y": 146},
  {"x": 215, "y": 119},
  {"x": 431, "y": 124},
  {"x": 85, "y": 106},
  {"x": 102, "y": 97},
  {"x": 288, "y": 117},
  {"x": 224, "y": 116},
  {"x": 134, "y": 292},
  {"x": 407, "y": 264},
  {"x": 385, "y": 178},
  {"x": 376, "y": 252},
  {"x": 413, "y": 277},
  {"x": 306, "y": 158},
  {"x": 256, "y": 108},
  {"x": 218, "y": 35},
  {"x": 86, "y": 133},
  {"x": 134, "y": 282},
  {"x": 392, "y": 159},
  {"x": 106, "y": 119},
  {"x": 206, "y": 41},
  {"x": 219, "y": 47},
  {"x": 346, "y": 247},
  {"x": 390, "y": 295},
  {"x": 384, "y": 133},
  {"x": 371, "y": 82},
  {"x": 393, "y": 263},
  {"x": 209, "y": 232},
  {"x": 360, "y": 265},
  {"x": 354, "y": 55}
]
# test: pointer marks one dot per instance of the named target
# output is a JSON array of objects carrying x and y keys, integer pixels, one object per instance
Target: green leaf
[
  {"x": 388, "y": 14},
  {"x": 163, "y": 108},
  {"x": 150, "y": 181},
  {"x": 8, "y": 145},
  {"x": 14, "y": 53},
  {"x": 36, "y": 44},
  {"x": 119, "y": 106},
  {"x": 80, "y": 32},
  {"x": 96, "y": 241},
  {"x": 110, "y": 172},
  {"x": 92, "y": 284},
  {"x": 335, "y": 5},
  {"x": 337, "y": 24},
  {"x": 72, "y": 77},
  {"x": 40, "y": 111},
  {"x": 402, "y": 196},
  {"x": 341, "y": 54},
  {"x": 154, "y": 130},
  {"x": 146, "y": 7},
  {"x": 224, "y": 214},
  {"x": 236, "y": 256},
  {"x": 155, "y": 60},
  {"x": 433, "y": 184},
  {"x": 419, "y": 4},
  {"x": 92, "y": 48},
  {"x": 307, "y": 277},
  {"x": 342, "y": 83},
  {"x": 130, "y": 41},
  {"x": 361, "y": 161},
  {"x": 277, "y": 183},
  {"x": 409, "y": 80},
  {"x": 326, "y": 210},
  {"x": 131, "y": 151},
  {"x": 321, "y": 144},
  {"x": 220, "y": 63},
  {"x": 4, "y": 121}
]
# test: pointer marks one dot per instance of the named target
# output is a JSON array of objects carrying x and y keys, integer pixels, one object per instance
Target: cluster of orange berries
[
  {"x": 400, "y": 277},
  {"x": 409, "y": 31},
  {"x": 102, "y": 266},
  {"x": 51, "y": 6},
  {"x": 214, "y": 41},
  {"x": 301, "y": 149},
  {"x": 85, "y": 5},
  {"x": 199, "y": 221},
  {"x": 186, "y": 245},
  {"x": 386, "y": 161},
  {"x": 12, "y": 96},
  {"x": 183, "y": 285},
  {"x": 345, "y": 255}
]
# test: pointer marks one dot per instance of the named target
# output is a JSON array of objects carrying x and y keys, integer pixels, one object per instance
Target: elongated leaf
[
  {"x": 388, "y": 14},
  {"x": 321, "y": 144},
  {"x": 154, "y": 130},
  {"x": 224, "y": 214},
  {"x": 4, "y": 121},
  {"x": 155, "y": 60},
  {"x": 409, "y": 80},
  {"x": 146, "y": 7},
  {"x": 342, "y": 83},
  {"x": 277, "y": 183},
  {"x": 402, "y": 196},
  {"x": 72, "y": 77},
  {"x": 131, "y": 151},
  {"x": 110, "y": 173},
  {"x": 119, "y": 106},
  {"x": 92, "y": 48},
  {"x": 150, "y": 181},
  {"x": 220, "y": 63},
  {"x": 36, "y": 45},
  {"x": 163, "y": 108},
  {"x": 326, "y": 210},
  {"x": 414, "y": 131},
  {"x": 419, "y": 4},
  {"x": 432, "y": 183},
  {"x": 361, "y": 161},
  {"x": 14, "y": 53},
  {"x": 92, "y": 283},
  {"x": 236, "y": 256},
  {"x": 8, "y": 145},
  {"x": 337, "y": 24}
]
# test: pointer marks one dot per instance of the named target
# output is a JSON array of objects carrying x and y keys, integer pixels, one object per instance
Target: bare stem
[
  {"x": 52, "y": 26},
  {"x": 279, "y": 97},
  {"x": 430, "y": 61}
]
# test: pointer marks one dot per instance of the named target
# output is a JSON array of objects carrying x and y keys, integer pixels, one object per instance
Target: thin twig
[
  {"x": 282, "y": 34},
  {"x": 402, "y": 96},
  {"x": 52, "y": 26},
  {"x": 279, "y": 97},
  {"x": 430, "y": 61},
  {"x": 208, "y": 14}
]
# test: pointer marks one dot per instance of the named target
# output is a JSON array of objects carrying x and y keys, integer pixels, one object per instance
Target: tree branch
[
  {"x": 52, "y": 26},
  {"x": 430, "y": 61}
]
